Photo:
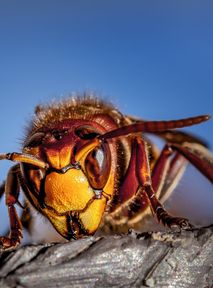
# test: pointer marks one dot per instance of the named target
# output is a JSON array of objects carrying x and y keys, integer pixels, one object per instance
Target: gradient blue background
[{"x": 153, "y": 59}]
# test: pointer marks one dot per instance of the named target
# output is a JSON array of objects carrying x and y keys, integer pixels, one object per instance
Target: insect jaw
[
  {"x": 75, "y": 226},
  {"x": 71, "y": 233}
]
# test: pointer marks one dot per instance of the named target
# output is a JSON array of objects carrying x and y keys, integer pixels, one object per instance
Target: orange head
[{"x": 73, "y": 191}]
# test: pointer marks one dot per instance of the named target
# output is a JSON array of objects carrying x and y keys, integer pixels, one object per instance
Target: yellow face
[{"x": 73, "y": 194}]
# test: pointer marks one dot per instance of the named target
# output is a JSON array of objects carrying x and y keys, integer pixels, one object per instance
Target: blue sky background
[{"x": 153, "y": 59}]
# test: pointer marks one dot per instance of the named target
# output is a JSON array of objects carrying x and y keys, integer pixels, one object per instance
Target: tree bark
[{"x": 157, "y": 259}]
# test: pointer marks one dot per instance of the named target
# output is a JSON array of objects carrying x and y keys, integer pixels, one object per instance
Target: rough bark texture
[{"x": 163, "y": 259}]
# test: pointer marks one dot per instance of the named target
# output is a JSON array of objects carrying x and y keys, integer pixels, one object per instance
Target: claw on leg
[{"x": 171, "y": 221}]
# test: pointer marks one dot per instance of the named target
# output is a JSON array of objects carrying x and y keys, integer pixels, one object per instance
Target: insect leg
[
  {"x": 198, "y": 156},
  {"x": 179, "y": 137},
  {"x": 26, "y": 219},
  {"x": 132, "y": 197},
  {"x": 167, "y": 171},
  {"x": 144, "y": 178},
  {"x": 12, "y": 188}
]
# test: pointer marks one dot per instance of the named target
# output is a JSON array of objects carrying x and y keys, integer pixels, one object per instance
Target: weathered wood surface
[{"x": 163, "y": 259}]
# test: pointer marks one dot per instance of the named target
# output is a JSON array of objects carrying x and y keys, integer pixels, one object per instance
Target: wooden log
[{"x": 157, "y": 259}]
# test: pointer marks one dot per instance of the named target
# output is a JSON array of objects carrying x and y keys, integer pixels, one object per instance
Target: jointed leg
[
  {"x": 144, "y": 177},
  {"x": 11, "y": 188},
  {"x": 12, "y": 193},
  {"x": 166, "y": 170},
  {"x": 169, "y": 170},
  {"x": 180, "y": 137},
  {"x": 194, "y": 153},
  {"x": 198, "y": 156}
]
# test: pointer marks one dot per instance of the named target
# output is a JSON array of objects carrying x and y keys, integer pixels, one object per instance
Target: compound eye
[
  {"x": 35, "y": 140},
  {"x": 97, "y": 166},
  {"x": 86, "y": 132}
]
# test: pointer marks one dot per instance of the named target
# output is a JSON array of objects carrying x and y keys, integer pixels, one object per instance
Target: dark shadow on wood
[{"x": 158, "y": 259}]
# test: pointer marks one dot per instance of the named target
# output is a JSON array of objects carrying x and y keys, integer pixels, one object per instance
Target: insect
[{"x": 84, "y": 163}]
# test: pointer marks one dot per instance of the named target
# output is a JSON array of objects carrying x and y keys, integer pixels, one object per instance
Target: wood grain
[{"x": 157, "y": 259}]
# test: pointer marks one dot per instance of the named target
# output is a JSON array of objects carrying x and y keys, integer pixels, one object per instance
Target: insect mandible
[{"x": 83, "y": 161}]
